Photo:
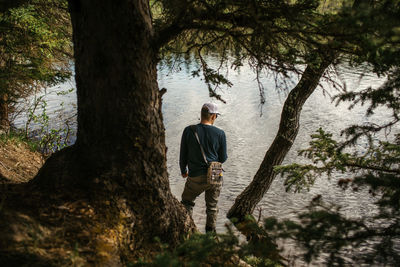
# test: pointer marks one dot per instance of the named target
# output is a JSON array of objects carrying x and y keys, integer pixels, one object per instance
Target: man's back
[{"x": 213, "y": 141}]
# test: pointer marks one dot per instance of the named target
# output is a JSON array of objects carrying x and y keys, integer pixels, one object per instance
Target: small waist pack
[{"x": 215, "y": 173}]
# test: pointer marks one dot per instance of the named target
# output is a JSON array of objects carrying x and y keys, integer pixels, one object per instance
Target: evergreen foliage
[
  {"x": 374, "y": 171},
  {"x": 217, "y": 250},
  {"x": 35, "y": 48},
  {"x": 279, "y": 37},
  {"x": 323, "y": 229}
]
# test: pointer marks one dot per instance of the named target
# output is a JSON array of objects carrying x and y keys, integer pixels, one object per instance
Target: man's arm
[
  {"x": 183, "y": 156},
  {"x": 222, "y": 155}
]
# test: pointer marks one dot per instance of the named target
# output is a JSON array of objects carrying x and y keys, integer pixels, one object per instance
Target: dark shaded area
[{"x": 24, "y": 260}]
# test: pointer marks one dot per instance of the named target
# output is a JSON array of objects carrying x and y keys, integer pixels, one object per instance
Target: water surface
[{"x": 249, "y": 135}]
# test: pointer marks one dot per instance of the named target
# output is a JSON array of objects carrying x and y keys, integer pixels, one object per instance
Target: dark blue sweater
[{"x": 213, "y": 141}]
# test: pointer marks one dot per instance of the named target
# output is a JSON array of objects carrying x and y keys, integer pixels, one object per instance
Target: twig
[
  {"x": 2, "y": 164},
  {"x": 259, "y": 214}
]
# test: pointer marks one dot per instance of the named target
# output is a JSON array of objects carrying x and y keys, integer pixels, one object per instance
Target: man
[{"x": 193, "y": 166}]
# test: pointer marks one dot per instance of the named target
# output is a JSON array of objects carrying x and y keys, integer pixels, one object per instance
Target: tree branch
[{"x": 373, "y": 168}]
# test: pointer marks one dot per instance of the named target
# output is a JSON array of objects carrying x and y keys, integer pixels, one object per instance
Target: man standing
[{"x": 193, "y": 166}]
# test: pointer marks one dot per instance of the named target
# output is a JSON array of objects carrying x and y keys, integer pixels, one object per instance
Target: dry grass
[{"x": 18, "y": 164}]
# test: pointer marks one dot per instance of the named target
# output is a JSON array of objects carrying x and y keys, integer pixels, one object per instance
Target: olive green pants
[{"x": 193, "y": 188}]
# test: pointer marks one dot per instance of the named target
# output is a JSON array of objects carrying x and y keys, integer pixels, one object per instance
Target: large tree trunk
[
  {"x": 4, "y": 119},
  {"x": 120, "y": 148},
  {"x": 246, "y": 202}
]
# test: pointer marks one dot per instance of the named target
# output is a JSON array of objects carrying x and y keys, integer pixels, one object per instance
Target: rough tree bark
[
  {"x": 246, "y": 202},
  {"x": 120, "y": 148},
  {"x": 4, "y": 119}
]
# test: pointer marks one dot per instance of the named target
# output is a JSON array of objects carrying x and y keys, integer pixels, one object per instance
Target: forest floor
[
  {"x": 18, "y": 163},
  {"x": 45, "y": 228}
]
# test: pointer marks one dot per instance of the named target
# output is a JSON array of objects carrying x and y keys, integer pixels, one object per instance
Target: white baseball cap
[{"x": 212, "y": 108}]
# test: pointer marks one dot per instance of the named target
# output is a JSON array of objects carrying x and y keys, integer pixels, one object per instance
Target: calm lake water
[{"x": 250, "y": 129}]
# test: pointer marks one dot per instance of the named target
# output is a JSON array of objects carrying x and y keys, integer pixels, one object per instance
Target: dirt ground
[
  {"x": 18, "y": 164},
  {"x": 46, "y": 228}
]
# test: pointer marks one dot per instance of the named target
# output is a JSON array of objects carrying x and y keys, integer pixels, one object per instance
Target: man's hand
[{"x": 184, "y": 175}]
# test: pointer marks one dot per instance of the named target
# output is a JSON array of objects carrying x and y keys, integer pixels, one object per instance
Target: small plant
[
  {"x": 39, "y": 126},
  {"x": 19, "y": 137},
  {"x": 215, "y": 250}
]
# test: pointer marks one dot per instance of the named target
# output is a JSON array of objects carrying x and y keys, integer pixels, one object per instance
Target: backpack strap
[{"x": 194, "y": 129}]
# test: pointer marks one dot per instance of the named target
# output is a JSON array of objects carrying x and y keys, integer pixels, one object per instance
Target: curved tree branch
[{"x": 289, "y": 126}]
